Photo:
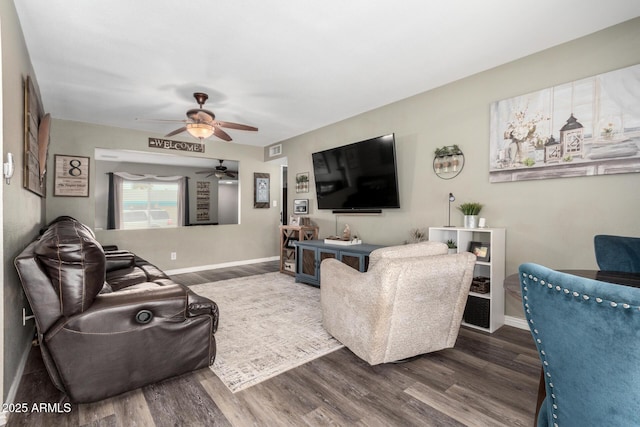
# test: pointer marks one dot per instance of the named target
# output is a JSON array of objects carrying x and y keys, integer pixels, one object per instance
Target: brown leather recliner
[{"x": 108, "y": 321}]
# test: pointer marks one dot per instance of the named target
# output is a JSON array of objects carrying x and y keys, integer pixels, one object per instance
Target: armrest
[
  {"x": 118, "y": 260},
  {"x": 199, "y": 305},
  {"x": 116, "y": 312},
  {"x": 352, "y": 305},
  {"x": 341, "y": 285},
  {"x": 332, "y": 270}
]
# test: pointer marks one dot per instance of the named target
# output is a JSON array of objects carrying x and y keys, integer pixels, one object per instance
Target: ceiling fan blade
[
  {"x": 238, "y": 126},
  {"x": 221, "y": 134},
  {"x": 231, "y": 174},
  {"x": 177, "y": 131},
  {"x": 208, "y": 171}
]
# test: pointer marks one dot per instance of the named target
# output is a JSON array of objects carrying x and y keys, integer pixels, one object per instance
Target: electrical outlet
[{"x": 174, "y": 256}]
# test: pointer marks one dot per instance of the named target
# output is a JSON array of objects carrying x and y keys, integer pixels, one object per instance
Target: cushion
[
  {"x": 617, "y": 253},
  {"x": 74, "y": 262},
  {"x": 119, "y": 260},
  {"x": 410, "y": 250}
]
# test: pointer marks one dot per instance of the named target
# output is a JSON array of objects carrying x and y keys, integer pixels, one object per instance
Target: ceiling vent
[{"x": 276, "y": 150}]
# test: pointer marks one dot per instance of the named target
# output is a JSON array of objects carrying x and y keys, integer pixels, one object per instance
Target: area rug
[{"x": 268, "y": 325}]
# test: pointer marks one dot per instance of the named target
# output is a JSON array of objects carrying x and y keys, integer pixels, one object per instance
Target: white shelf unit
[{"x": 493, "y": 301}]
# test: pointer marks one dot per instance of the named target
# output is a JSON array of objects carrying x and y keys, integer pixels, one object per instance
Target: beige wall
[
  {"x": 22, "y": 210},
  {"x": 551, "y": 222},
  {"x": 255, "y": 237}
]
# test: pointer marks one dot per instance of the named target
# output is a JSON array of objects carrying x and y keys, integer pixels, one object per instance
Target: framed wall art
[
  {"x": 36, "y": 141},
  {"x": 582, "y": 128},
  {"x": 302, "y": 182},
  {"x": 203, "y": 200},
  {"x": 481, "y": 250},
  {"x": 71, "y": 176},
  {"x": 301, "y": 206},
  {"x": 261, "y": 189}
]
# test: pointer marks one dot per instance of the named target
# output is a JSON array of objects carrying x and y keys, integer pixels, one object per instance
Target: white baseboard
[
  {"x": 221, "y": 265},
  {"x": 516, "y": 322},
  {"x": 13, "y": 390}
]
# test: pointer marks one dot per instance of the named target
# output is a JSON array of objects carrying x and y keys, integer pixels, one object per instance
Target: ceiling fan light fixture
[
  {"x": 200, "y": 130},
  {"x": 219, "y": 174}
]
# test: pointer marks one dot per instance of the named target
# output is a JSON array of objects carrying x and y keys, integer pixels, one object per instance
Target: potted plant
[
  {"x": 417, "y": 235},
  {"x": 442, "y": 152},
  {"x": 470, "y": 211},
  {"x": 453, "y": 247}
]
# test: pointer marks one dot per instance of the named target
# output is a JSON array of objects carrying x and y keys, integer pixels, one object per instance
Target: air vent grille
[{"x": 276, "y": 150}]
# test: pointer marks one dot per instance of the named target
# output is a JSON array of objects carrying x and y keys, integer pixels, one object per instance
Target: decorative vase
[{"x": 471, "y": 221}]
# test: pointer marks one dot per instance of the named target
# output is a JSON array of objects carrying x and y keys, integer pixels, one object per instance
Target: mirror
[{"x": 151, "y": 190}]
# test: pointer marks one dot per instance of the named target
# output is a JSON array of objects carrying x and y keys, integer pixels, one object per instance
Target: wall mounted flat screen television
[{"x": 358, "y": 177}]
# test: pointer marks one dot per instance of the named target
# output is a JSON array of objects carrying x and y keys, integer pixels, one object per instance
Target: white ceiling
[{"x": 285, "y": 66}]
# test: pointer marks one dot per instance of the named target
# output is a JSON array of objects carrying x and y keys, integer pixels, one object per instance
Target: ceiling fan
[
  {"x": 220, "y": 172},
  {"x": 202, "y": 123}
]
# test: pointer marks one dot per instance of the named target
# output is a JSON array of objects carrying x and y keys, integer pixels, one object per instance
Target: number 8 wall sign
[{"x": 71, "y": 177}]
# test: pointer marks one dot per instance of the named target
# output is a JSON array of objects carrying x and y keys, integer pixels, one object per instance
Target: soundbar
[{"x": 357, "y": 211}]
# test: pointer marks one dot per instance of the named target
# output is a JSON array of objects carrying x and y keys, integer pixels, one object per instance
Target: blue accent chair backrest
[
  {"x": 587, "y": 334},
  {"x": 617, "y": 253}
]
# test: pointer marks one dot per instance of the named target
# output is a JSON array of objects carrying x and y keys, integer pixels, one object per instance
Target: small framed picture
[
  {"x": 71, "y": 176},
  {"x": 301, "y": 206},
  {"x": 294, "y": 220},
  {"x": 481, "y": 250},
  {"x": 302, "y": 182},
  {"x": 261, "y": 190}
]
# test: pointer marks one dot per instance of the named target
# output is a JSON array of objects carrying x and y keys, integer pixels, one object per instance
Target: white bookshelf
[{"x": 493, "y": 301}]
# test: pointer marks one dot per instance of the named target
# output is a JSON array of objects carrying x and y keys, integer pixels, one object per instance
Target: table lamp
[{"x": 452, "y": 198}]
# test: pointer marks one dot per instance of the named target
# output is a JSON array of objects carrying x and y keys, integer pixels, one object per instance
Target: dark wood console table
[{"x": 310, "y": 253}]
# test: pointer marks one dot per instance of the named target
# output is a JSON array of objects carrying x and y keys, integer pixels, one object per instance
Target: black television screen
[{"x": 358, "y": 176}]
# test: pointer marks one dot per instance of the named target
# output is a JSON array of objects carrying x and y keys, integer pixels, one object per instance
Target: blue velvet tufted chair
[
  {"x": 587, "y": 334},
  {"x": 617, "y": 253}
]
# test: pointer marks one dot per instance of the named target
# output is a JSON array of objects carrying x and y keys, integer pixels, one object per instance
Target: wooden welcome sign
[{"x": 167, "y": 144}]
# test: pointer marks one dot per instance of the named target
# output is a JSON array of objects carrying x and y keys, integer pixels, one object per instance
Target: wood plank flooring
[{"x": 486, "y": 380}]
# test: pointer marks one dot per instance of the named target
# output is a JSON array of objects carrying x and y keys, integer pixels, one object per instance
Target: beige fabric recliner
[{"x": 409, "y": 302}]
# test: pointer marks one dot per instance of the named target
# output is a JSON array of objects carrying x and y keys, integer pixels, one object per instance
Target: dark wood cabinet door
[
  {"x": 308, "y": 261},
  {"x": 326, "y": 255},
  {"x": 352, "y": 261}
]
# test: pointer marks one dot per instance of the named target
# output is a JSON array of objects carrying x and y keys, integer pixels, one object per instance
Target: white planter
[
  {"x": 471, "y": 221},
  {"x": 453, "y": 250}
]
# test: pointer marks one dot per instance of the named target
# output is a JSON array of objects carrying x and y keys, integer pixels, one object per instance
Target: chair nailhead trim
[{"x": 543, "y": 354}]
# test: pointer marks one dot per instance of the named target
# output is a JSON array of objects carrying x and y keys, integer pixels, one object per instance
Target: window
[
  {"x": 149, "y": 204},
  {"x": 146, "y": 201}
]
